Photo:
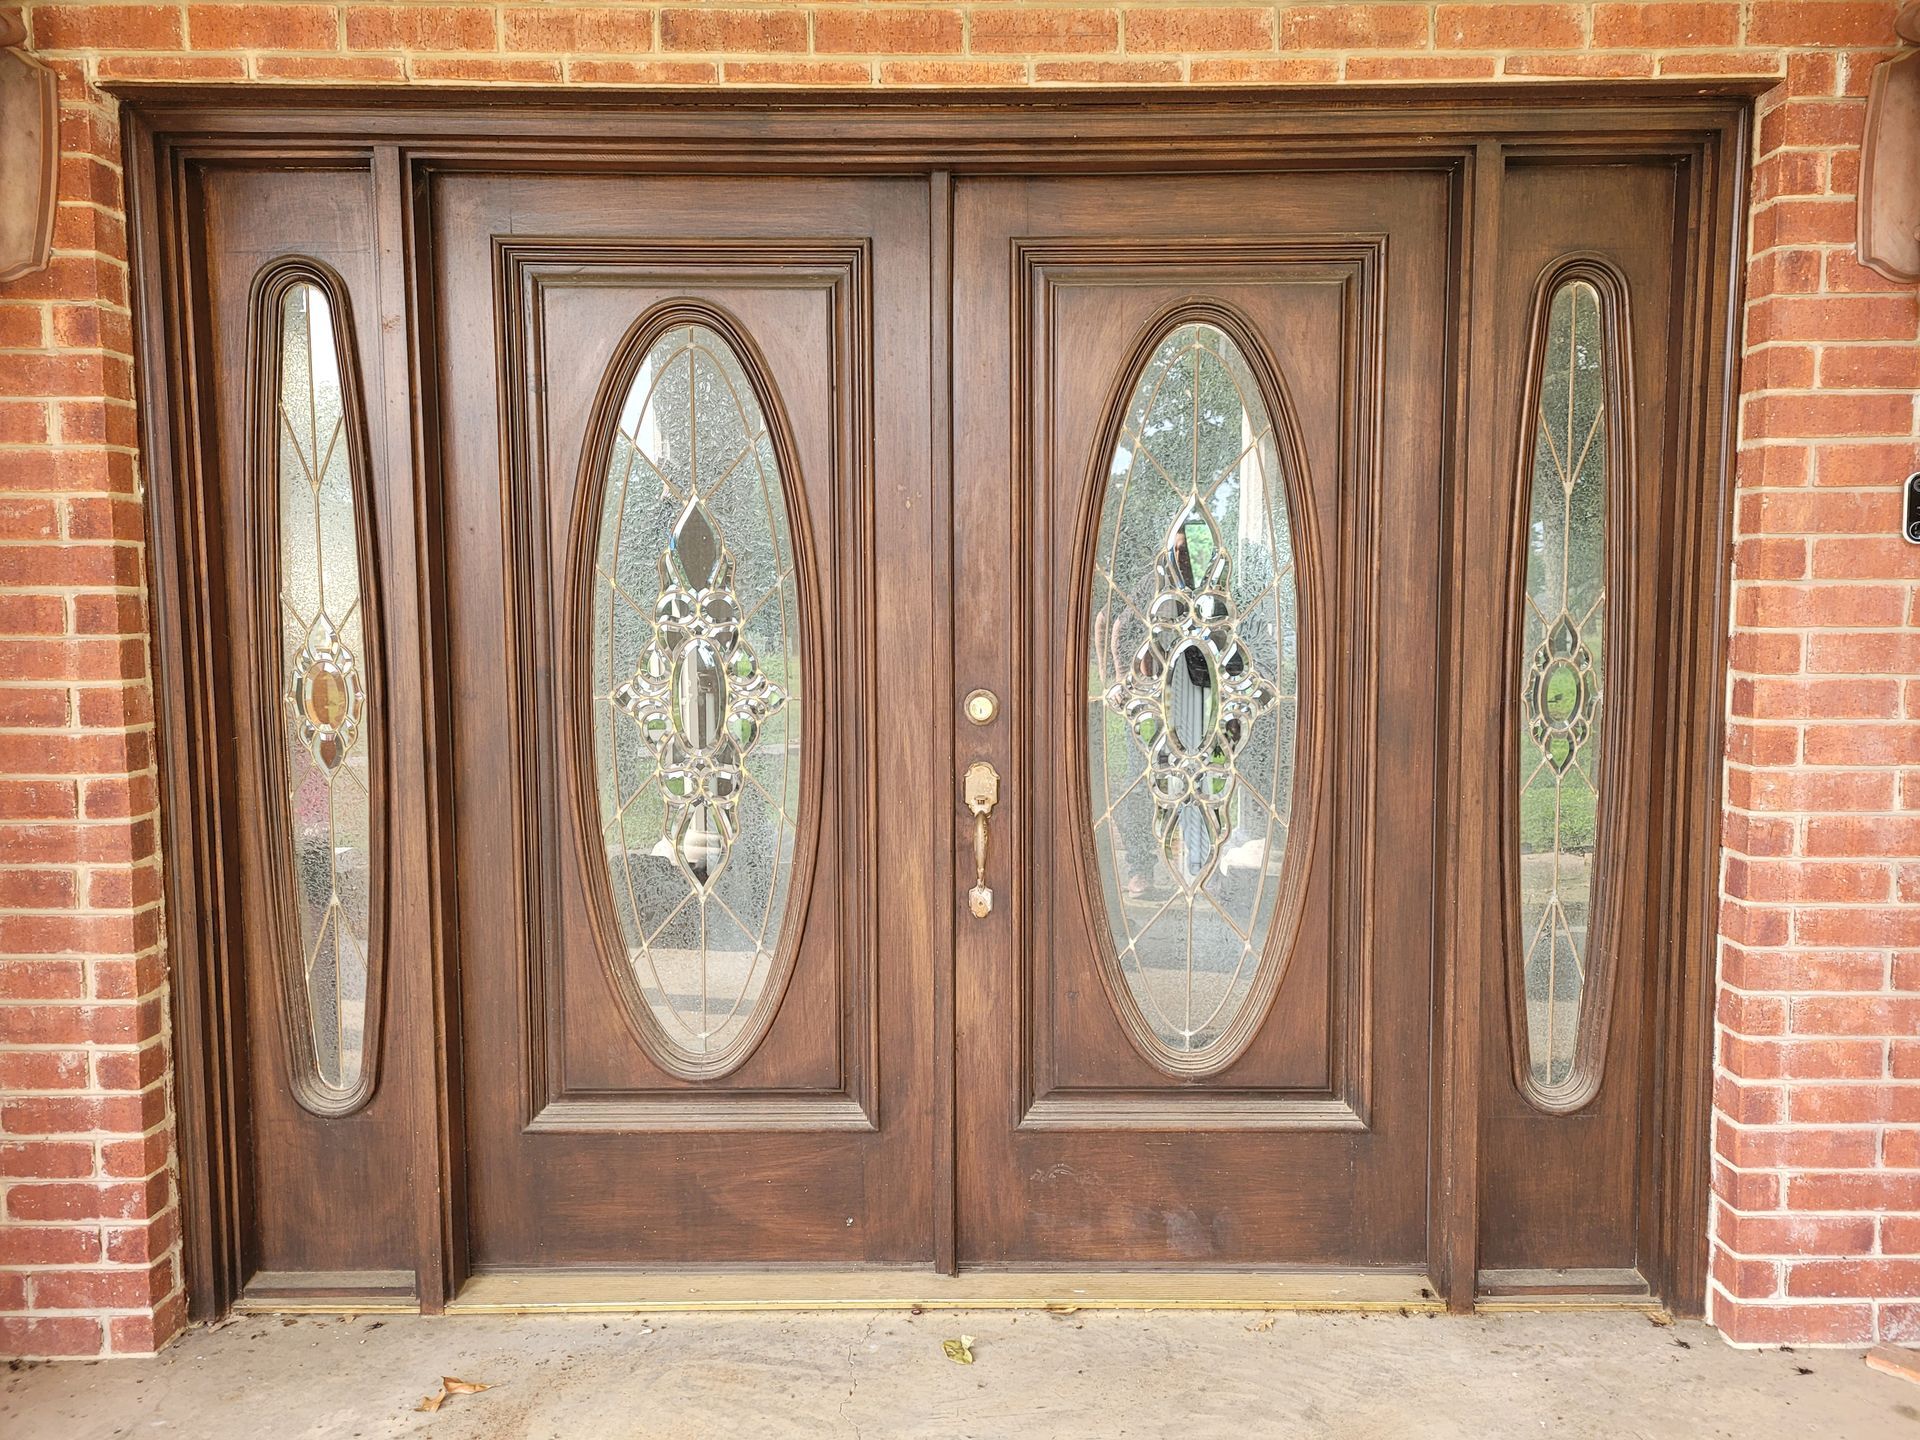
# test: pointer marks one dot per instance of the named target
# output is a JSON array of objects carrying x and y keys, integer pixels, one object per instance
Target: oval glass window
[
  {"x": 1193, "y": 696},
  {"x": 694, "y": 679},
  {"x": 329, "y": 718},
  {"x": 1563, "y": 667}
]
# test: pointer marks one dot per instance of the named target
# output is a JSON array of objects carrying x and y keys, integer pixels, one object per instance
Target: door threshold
[
  {"x": 1585, "y": 1289},
  {"x": 328, "y": 1292},
  {"x": 655, "y": 1291}
]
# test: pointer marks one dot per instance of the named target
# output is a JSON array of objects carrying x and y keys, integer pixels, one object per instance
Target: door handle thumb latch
[{"x": 982, "y": 793}]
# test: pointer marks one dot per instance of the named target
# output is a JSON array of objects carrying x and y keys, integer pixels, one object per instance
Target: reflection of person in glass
[
  {"x": 1190, "y": 709},
  {"x": 1132, "y": 818}
]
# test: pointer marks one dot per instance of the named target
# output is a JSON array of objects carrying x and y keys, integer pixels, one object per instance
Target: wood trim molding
[
  {"x": 1464, "y": 914},
  {"x": 525, "y": 268},
  {"x": 1709, "y": 244},
  {"x": 167, "y": 271}
]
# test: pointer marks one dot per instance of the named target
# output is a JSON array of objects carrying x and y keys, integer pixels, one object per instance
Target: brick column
[
  {"x": 1816, "y": 1161},
  {"x": 88, "y": 1221}
]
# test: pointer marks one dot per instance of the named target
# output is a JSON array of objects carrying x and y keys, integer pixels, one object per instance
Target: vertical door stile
[
  {"x": 1469, "y": 911},
  {"x": 945, "y": 716},
  {"x": 418, "y": 972}
]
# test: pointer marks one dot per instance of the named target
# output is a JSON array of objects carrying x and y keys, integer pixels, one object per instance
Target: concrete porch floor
[{"x": 1038, "y": 1375}]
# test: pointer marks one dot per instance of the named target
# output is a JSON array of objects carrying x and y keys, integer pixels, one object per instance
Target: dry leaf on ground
[
  {"x": 450, "y": 1385},
  {"x": 1262, "y": 1325},
  {"x": 959, "y": 1351}
]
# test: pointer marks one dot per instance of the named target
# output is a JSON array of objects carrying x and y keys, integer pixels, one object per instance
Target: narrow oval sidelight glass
[
  {"x": 694, "y": 688},
  {"x": 329, "y": 719},
  {"x": 1562, "y": 680},
  {"x": 1192, "y": 695}
]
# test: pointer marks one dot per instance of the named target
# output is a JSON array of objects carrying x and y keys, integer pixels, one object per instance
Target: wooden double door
[
  {"x": 1133, "y": 714},
  {"x": 1188, "y": 1030}
]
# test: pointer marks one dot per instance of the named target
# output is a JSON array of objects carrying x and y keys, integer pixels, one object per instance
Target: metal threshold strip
[
  {"x": 619, "y": 1291},
  {"x": 549, "y": 1292}
]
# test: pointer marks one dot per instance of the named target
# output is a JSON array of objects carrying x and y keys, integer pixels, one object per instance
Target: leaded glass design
[
  {"x": 328, "y": 724},
  {"x": 1563, "y": 654},
  {"x": 1193, "y": 688},
  {"x": 695, "y": 681}
]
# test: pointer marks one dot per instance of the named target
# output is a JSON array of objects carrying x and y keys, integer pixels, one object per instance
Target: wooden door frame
[{"x": 402, "y": 136}]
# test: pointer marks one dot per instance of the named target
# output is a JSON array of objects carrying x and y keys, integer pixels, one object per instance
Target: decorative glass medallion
[
  {"x": 324, "y": 700},
  {"x": 695, "y": 677},
  {"x": 1193, "y": 690},
  {"x": 1561, "y": 681}
]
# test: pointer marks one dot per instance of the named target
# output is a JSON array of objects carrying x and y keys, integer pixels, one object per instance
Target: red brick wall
[{"x": 1817, "y": 1144}]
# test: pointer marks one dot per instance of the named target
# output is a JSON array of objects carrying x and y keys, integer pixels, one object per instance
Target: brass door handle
[{"x": 981, "y": 793}]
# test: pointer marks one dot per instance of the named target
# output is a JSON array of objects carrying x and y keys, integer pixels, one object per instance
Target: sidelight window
[
  {"x": 1563, "y": 688},
  {"x": 326, "y": 691}
]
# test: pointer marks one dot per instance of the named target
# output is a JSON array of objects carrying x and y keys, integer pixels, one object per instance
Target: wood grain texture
[
  {"x": 594, "y": 169},
  {"x": 1562, "y": 1180},
  {"x": 1250, "y": 1164},
  {"x": 794, "y": 1144}
]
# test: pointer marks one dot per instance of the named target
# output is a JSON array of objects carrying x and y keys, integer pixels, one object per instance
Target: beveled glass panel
[
  {"x": 1563, "y": 667},
  {"x": 328, "y": 724},
  {"x": 695, "y": 681},
  {"x": 1192, "y": 688}
]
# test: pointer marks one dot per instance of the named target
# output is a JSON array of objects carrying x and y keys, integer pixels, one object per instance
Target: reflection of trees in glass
[
  {"x": 694, "y": 691},
  {"x": 1192, "y": 679},
  {"x": 327, "y": 723},
  {"x": 1562, "y": 672}
]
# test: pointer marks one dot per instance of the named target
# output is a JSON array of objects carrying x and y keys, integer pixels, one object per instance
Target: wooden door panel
[
  {"x": 324, "y": 1191},
  {"x": 1562, "y": 1189},
  {"x": 1308, "y": 1143},
  {"x": 587, "y": 1141}
]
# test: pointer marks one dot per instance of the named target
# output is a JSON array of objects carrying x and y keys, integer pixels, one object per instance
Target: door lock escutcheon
[{"x": 982, "y": 793}]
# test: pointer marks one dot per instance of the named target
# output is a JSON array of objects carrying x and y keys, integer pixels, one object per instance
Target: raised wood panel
[
  {"x": 1295, "y": 302},
  {"x": 809, "y": 309}
]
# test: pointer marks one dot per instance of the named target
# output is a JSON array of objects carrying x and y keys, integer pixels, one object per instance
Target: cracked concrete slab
[{"x": 1184, "y": 1374}]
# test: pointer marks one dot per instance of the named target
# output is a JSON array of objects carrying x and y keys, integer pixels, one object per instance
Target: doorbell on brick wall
[{"x": 1911, "y": 527}]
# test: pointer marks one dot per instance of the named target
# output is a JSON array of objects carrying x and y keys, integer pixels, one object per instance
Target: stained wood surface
[
  {"x": 403, "y": 194},
  {"x": 1312, "y": 1147},
  {"x": 580, "y": 1147}
]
